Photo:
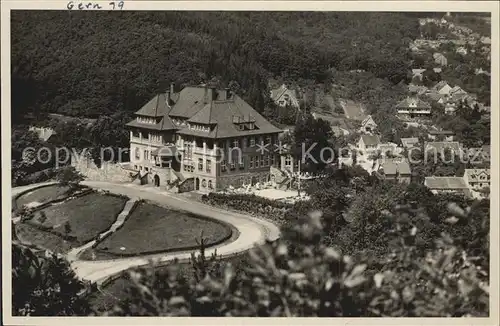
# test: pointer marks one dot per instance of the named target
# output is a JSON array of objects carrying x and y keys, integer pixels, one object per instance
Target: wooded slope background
[{"x": 94, "y": 63}]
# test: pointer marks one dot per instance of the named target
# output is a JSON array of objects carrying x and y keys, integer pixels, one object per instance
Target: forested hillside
[{"x": 93, "y": 63}]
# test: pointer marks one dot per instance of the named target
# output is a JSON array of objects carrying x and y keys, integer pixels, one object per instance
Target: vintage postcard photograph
[{"x": 251, "y": 159}]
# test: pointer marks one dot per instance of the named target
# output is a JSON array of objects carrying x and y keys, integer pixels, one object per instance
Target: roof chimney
[
  {"x": 172, "y": 88},
  {"x": 228, "y": 94},
  {"x": 210, "y": 94},
  {"x": 167, "y": 98}
]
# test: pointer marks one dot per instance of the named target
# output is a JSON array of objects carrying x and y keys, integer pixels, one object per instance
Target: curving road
[{"x": 251, "y": 230}]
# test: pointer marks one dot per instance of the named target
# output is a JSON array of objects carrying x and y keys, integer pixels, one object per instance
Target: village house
[
  {"x": 412, "y": 107},
  {"x": 43, "y": 133},
  {"x": 450, "y": 107},
  {"x": 409, "y": 142},
  {"x": 443, "y": 185},
  {"x": 441, "y": 88},
  {"x": 457, "y": 90},
  {"x": 417, "y": 89},
  {"x": 485, "y": 40},
  {"x": 205, "y": 135},
  {"x": 418, "y": 73},
  {"x": 368, "y": 143},
  {"x": 368, "y": 125},
  {"x": 284, "y": 96},
  {"x": 461, "y": 50},
  {"x": 441, "y": 135},
  {"x": 440, "y": 59},
  {"x": 477, "y": 179},
  {"x": 339, "y": 131},
  {"x": 438, "y": 148},
  {"x": 396, "y": 169}
]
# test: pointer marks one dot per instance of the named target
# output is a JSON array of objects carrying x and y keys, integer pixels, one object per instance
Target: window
[
  {"x": 242, "y": 164},
  {"x": 209, "y": 166},
  {"x": 146, "y": 168},
  {"x": 256, "y": 161},
  {"x": 146, "y": 156},
  {"x": 137, "y": 153},
  {"x": 135, "y": 167},
  {"x": 252, "y": 141},
  {"x": 204, "y": 183},
  {"x": 188, "y": 152},
  {"x": 262, "y": 160},
  {"x": 236, "y": 143},
  {"x": 288, "y": 161},
  {"x": 232, "y": 166},
  {"x": 223, "y": 167},
  {"x": 268, "y": 140},
  {"x": 266, "y": 160},
  {"x": 210, "y": 186},
  {"x": 273, "y": 159},
  {"x": 200, "y": 164},
  {"x": 251, "y": 162}
]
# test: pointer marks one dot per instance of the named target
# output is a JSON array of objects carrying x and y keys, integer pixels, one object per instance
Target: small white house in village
[
  {"x": 284, "y": 96},
  {"x": 461, "y": 50},
  {"x": 409, "y": 142},
  {"x": 442, "y": 88},
  {"x": 368, "y": 125},
  {"x": 477, "y": 179},
  {"x": 368, "y": 143}
]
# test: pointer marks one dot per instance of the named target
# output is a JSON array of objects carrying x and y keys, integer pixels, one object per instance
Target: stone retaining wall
[{"x": 111, "y": 172}]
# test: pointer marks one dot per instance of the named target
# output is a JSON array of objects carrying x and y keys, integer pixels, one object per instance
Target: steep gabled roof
[
  {"x": 204, "y": 116},
  {"x": 407, "y": 142},
  {"x": 445, "y": 183},
  {"x": 440, "y": 85},
  {"x": 190, "y": 101},
  {"x": 394, "y": 166},
  {"x": 370, "y": 140},
  {"x": 474, "y": 174},
  {"x": 368, "y": 119},
  {"x": 413, "y": 102},
  {"x": 156, "y": 107}
]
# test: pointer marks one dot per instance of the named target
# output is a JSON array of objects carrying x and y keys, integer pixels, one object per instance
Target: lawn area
[
  {"x": 44, "y": 239},
  {"x": 151, "y": 228},
  {"x": 116, "y": 291},
  {"x": 88, "y": 215},
  {"x": 42, "y": 195}
]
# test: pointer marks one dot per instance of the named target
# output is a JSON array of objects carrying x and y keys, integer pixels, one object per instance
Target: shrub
[
  {"x": 300, "y": 276},
  {"x": 67, "y": 228},
  {"x": 69, "y": 176},
  {"x": 44, "y": 286},
  {"x": 42, "y": 217},
  {"x": 248, "y": 203}
]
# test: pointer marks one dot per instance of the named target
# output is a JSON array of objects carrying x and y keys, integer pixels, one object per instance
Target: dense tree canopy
[{"x": 69, "y": 62}]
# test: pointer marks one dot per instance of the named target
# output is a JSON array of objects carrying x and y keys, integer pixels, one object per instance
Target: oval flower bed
[
  {"x": 153, "y": 229},
  {"x": 86, "y": 217},
  {"x": 41, "y": 195}
]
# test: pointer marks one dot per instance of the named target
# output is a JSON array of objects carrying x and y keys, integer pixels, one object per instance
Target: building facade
[
  {"x": 413, "y": 107},
  {"x": 477, "y": 179},
  {"x": 208, "y": 136},
  {"x": 284, "y": 96}
]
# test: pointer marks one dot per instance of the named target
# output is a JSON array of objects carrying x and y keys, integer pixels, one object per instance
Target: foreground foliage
[
  {"x": 300, "y": 276},
  {"x": 44, "y": 286}
]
